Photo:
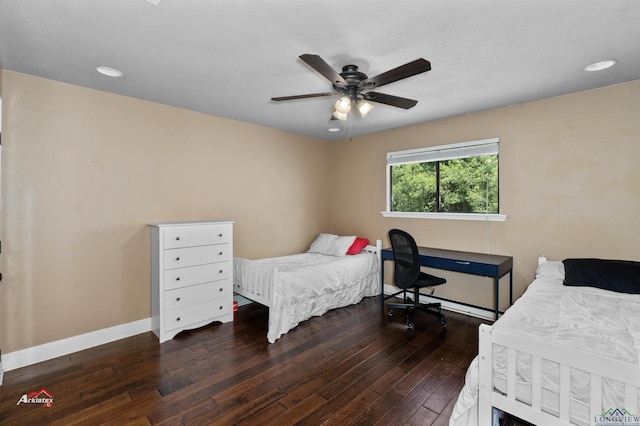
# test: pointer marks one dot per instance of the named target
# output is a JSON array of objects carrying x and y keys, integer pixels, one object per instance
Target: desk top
[
  {"x": 457, "y": 260},
  {"x": 468, "y": 256}
]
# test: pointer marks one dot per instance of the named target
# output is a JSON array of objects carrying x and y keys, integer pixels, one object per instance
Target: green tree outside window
[{"x": 460, "y": 185}]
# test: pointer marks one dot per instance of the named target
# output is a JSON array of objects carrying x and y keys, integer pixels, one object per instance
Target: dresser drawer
[
  {"x": 190, "y": 256},
  {"x": 182, "y": 317},
  {"x": 201, "y": 235},
  {"x": 192, "y": 295},
  {"x": 184, "y": 277}
]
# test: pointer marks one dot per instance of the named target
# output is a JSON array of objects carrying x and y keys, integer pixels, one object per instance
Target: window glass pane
[
  {"x": 413, "y": 187},
  {"x": 469, "y": 185},
  {"x": 466, "y": 185}
]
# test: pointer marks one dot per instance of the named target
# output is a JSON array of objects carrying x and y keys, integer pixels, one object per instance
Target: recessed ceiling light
[
  {"x": 602, "y": 65},
  {"x": 111, "y": 72},
  {"x": 334, "y": 129}
]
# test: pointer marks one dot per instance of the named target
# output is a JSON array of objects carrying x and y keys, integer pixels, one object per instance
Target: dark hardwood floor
[{"x": 351, "y": 366}]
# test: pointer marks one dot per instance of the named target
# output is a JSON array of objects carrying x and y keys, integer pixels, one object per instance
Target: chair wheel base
[{"x": 413, "y": 308}]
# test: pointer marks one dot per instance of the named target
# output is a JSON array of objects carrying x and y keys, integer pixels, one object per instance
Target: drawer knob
[
  {"x": 177, "y": 299},
  {"x": 220, "y": 253},
  {"x": 177, "y": 278},
  {"x": 221, "y": 307},
  {"x": 178, "y": 319},
  {"x": 178, "y": 258},
  {"x": 219, "y": 235},
  {"x": 177, "y": 238},
  {"x": 221, "y": 289},
  {"x": 220, "y": 271}
]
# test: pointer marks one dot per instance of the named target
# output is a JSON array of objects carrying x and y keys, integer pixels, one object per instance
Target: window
[{"x": 459, "y": 179}]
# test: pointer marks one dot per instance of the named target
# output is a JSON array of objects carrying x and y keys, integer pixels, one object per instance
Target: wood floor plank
[
  {"x": 273, "y": 411},
  {"x": 386, "y": 403},
  {"x": 422, "y": 417},
  {"x": 299, "y": 411},
  {"x": 386, "y": 381},
  {"x": 301, "y": 390},
  {"x": 351, "y": 409},
  {"x": 350, "y": 366}
]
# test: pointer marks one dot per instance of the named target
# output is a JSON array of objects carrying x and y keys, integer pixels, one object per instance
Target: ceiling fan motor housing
[
  {"x": 354, "y": 79},
  {"x": 351, "y": 74}
]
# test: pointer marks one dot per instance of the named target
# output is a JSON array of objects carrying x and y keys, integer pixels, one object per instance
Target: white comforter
[
  {"x": 584, "y": 318},
  {"x": 310, "y": 284}
]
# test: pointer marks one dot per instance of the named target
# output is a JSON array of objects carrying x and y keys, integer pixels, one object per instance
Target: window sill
[{"x": 490, "y": 217}]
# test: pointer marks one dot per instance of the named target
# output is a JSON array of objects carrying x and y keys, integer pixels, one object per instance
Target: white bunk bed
[
  {"x": 300, "y": 286},
  {"x": 561, "y": 355}
]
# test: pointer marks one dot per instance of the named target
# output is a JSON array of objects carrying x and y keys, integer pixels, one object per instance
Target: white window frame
[{"x": 441, "y": 153}]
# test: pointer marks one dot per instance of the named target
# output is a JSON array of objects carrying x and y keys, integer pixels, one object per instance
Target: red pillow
[{"x": 358, "y": 245}]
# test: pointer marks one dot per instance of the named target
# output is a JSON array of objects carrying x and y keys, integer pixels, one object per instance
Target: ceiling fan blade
[
  {"x": 395, "y": 101},
  {"x": 403, "y": 71},
  {"x": 318, "y": 64},
  {"x": 310, "y": 95}
]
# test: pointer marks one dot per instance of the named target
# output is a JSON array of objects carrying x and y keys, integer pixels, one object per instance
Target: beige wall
[
  {"x": 569, "y": 184},
  {"x": 1, "y": 214},
  {"x": 84, "y": 171}
]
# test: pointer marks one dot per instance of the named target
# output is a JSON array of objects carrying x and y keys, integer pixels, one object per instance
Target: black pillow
[{"x": 622, "y": 276}]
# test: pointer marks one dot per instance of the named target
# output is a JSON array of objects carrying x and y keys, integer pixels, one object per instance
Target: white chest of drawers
[{"x": 191, "y": 275}]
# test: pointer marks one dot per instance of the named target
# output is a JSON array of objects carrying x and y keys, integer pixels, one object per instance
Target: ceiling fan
[{"x": 355, "y": 86}]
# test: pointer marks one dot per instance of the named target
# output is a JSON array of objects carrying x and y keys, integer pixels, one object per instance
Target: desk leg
[
  {"x": 496, "y": 287},
  {"x": 511, "y": 287},
  {"x": 382, "y": 286},
  {"x": 496, "y": 290}
]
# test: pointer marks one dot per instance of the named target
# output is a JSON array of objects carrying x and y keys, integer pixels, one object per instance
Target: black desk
[{"x": 487, "y": 265}]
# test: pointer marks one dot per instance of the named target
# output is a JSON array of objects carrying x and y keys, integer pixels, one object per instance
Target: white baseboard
[
  {"x": 449, "y": 305},
  {"x": 1, "y": 372},
  {"x": 47, "y": 351}
]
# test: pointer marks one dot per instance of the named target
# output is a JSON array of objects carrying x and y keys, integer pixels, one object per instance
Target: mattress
[{"x": 310, "y": 284}]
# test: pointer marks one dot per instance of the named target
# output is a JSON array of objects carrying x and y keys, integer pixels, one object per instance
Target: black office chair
[{"x": 407, "y": 275}]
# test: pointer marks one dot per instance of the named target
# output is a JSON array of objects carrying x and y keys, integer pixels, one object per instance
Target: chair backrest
[{"x": 406, "y": 258}]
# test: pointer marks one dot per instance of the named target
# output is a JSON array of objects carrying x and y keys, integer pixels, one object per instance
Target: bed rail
[
  {"x": 253, "y": 280},
  {"x": 599, "y": 368},
  {"x": 377, "y": 250}
]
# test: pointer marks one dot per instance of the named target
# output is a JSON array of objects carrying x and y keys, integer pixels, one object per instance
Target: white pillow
[
  {"x": 550, "y": 270},
  {"x": 332, "y": 245}
]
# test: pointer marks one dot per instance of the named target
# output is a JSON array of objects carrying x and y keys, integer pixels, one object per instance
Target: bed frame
[
  {"x": 599, "y": 367},
  {"x": 260, "y": 286}
]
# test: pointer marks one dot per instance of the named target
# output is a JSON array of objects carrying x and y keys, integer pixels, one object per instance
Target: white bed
[
  {"x": 560, "y": 355},
  {"x": 300, "y": 286}
]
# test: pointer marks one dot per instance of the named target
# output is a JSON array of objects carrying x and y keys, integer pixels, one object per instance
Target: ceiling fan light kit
[
  {"x": 355, "y": 86},
  {"x": 340, "y": 115},
  {"x": 343, "y": 105},
  {"x": 364, "y": 107}
]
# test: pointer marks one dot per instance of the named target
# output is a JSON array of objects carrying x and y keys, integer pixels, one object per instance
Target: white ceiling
[{"x": 229, "y": 57}]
